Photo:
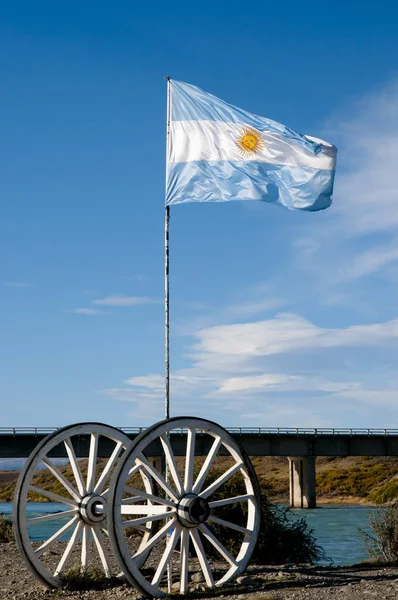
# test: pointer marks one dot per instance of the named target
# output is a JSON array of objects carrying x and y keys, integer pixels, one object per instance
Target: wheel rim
[
  {"x": 187, "y": 509},
  {"x": 76, "y": 496}
]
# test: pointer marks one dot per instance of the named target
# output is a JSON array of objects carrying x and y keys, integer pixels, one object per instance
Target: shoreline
[
  {"x": 320, "y": 503},
  {"x": 333, "y": 501}
]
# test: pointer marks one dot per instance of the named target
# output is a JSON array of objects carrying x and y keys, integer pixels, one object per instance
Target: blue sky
[{"x": 278, "y": 318}]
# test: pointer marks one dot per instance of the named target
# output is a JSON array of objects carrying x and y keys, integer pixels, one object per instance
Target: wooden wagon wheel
[
  {"x": 76, "y": 502},
  {"x": 192, "y": 534}
]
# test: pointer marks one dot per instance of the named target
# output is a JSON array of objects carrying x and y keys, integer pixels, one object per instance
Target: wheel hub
[
  {"x": 192, "y": 510},
  {"x": 93, "y": 509}
]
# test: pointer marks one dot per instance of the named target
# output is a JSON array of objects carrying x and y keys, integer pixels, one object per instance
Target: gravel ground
[{"x": 259, "y": 583}]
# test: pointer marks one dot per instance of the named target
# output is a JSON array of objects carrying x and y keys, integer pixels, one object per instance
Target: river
[{"x": 336, "y": 528}]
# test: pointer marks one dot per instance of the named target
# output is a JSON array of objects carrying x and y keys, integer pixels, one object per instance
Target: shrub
[
  {"x": 384, "y": 493},
  {"x": 6, "y": 532},
  {"x": 357, "y": 480},
  {"x": 382, "y": 545},
  {"x": 282, "y": 538}
]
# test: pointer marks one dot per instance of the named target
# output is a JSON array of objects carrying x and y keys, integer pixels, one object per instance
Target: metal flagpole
[
  {"x": 166, "y": 303},
  {"x": 166, "y": 272},
  {"x": 166, "y": 315}
]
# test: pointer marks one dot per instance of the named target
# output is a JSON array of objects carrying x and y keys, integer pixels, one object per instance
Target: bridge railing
[{"x": 294, "y": 431}]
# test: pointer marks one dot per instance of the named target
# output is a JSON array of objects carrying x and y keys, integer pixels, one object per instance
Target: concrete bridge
[{"x": 300, "y": 446}]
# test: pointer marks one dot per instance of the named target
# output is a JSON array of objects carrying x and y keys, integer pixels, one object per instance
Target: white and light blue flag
[{"x": 218, "y": 152}]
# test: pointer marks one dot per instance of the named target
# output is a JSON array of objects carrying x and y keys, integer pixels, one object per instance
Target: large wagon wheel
[
  {"x": 189, "y": 510},
  {"x": 76, "y": 496}
]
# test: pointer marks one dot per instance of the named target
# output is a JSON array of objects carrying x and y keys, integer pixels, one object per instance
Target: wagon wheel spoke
[
  {"x": 51, "y": 496},
  {"x": 102, "y": 553},
  {"x": 164, "y": 561},
  {"x": 139, "y": 495},
  {"x": 217, "y": 545},
  {"x": 203, "y": 473},
  {"x": 150, "y": 469},
  {"x": 184, "y": 561},
  {"x": 135, "y": 469},
  {"x": 221, "y": 480},
  {"x": 200, "y": 553},
  {"x": 189, "y": 461},
  {"x": 155, "y": 539},
  {"x": 69, "y": 548},
  {"x": 147, "y": 509},
  {"x": 149, "y": 519},
  {"x": 232, "y": 500},
  {"x": 75, "y": 466},
  {"x": 85, "y": 548},
  {"x": 108, "y": 468},
  {"x": 230, "y": 525},
  {"x": 92, "y": 463},
  {"x": 64, "y": 529},
  {"x": 52, "y": 516},
  {"x": 61, "y": 478},
  {"x": 171, "y": 462}
]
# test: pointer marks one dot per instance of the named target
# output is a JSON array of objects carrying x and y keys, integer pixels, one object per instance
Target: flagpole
[
  {"x": 167, "y": 272},
  {"x": 166, "y": 303},
  {"x": 166, "y": 314}
]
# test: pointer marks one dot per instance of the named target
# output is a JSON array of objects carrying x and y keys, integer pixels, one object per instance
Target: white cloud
[
  {"x": 89, "y": 312},
  {"x": 17, "y": 284},
  {"x": 180, "y": 383},
  {"x": 280, "y": 382},
  {"x": 124, "y": 301},
  {"x": 228, "y": 374},
  {"x": 288, "y": 333},
  {"x": 151, "y": 382},
  {"x": 367, "y": 195},
  {"x": 356, "y": 238},
  {"x": 368, "y": 262},
  {"x": 254, "y": 382}
]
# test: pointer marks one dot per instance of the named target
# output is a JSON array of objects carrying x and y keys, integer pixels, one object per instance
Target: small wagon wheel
[
  {"x": 194, "y": 495},
  {"x": 76, "y": 502}
]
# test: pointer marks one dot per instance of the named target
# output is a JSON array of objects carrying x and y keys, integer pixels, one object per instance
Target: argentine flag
[{"x": 218, "y": 152}]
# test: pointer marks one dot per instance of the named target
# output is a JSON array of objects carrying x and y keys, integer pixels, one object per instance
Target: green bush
[
  {"x": 384, "y": 493},
  {"x": 357, "y": 480},
  {"x": 382, "y": 545},
  {"x": 282, "y": 538},
  {"x": 6, "y": 532}
]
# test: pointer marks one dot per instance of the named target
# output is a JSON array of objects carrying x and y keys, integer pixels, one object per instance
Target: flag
[{"x": 218, "y": 152}]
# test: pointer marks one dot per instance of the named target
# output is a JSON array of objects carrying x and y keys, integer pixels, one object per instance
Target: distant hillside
[
  {"x": 338, "y": 480},
  {"x": 352, "y": 479}
]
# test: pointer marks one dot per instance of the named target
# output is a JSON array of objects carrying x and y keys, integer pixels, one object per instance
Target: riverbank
[
  {"x": 351, "y": 480},
  {"x": 259, "y": 583}
]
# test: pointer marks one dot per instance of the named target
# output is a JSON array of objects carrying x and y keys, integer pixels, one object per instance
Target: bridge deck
[{"x": 18, "y": 442}]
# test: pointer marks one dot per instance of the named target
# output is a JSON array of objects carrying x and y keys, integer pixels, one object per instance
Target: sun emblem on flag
[{"x": 249, "y": 142}]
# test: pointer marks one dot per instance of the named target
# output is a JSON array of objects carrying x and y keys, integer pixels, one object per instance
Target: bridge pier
[
  {"x": 158, "y": 462},
  {"x": 302, "y": 481}
]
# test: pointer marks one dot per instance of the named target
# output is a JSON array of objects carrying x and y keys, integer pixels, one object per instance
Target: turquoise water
[
  {"x": 40, "y": 531},
  {"x": 335, "y": 528}
]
